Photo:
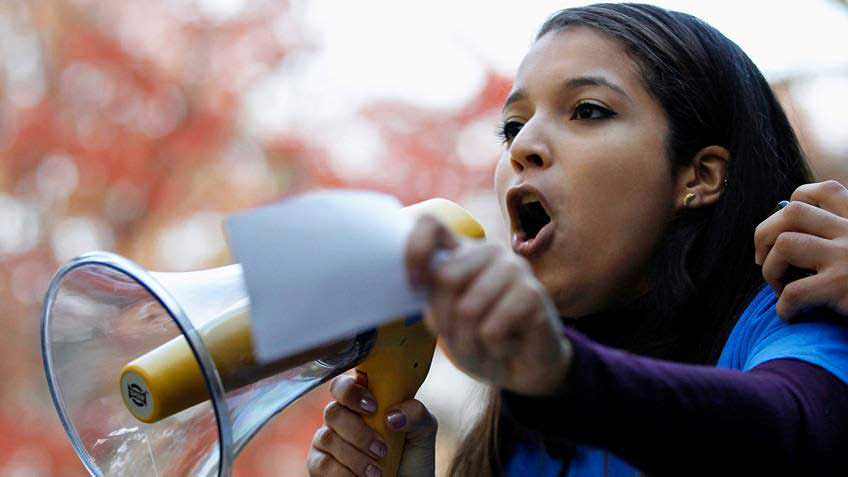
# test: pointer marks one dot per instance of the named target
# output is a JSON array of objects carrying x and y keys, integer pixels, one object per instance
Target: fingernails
[
  {"x": 372, "y": 471},
  {"x": 783, "y": 203},
  {"x": 396, "y": 419},
  {"x": 780, "y": 205},
  {"x": 379, "y": 449},
  {"x": 368, "y": 404}
]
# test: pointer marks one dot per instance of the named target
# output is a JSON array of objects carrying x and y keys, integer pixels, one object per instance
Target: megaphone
[{"x": 153, "y": 373}]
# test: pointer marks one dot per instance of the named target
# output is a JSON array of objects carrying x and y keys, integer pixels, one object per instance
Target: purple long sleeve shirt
[
  {"x": 783, "y": 417},
  {"x": 784, "y": 411}
]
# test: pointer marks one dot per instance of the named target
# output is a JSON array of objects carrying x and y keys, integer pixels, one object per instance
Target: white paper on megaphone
[{"x": 322, "y": 266}]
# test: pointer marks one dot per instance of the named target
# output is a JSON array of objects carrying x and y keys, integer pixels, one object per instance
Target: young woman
[{"x": 628, "y": 330}]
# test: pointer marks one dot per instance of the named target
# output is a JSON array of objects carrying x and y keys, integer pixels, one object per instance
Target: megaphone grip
[
  {"x": 400, "y": 360},
  {"x": 396, "y": 368}
]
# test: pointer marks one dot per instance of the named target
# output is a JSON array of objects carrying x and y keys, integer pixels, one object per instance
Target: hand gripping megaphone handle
[
  {"x": 398, "y": 364},
  {"x": 394, "y": 370}
]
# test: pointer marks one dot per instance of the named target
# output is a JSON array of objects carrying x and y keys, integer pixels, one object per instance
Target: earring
[{"x": 688, "y": 199}]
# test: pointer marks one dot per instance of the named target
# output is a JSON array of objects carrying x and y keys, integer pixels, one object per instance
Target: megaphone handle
[
  {"x": 393, "y": 372},
  {"x": 395, "y": 441}
]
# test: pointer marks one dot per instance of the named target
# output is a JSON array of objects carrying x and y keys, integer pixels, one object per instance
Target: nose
[{"x": 528, "y": 148}]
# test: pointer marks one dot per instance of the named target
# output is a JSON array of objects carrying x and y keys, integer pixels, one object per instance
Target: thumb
[
  {"x": 427, "y": 237},
  {"x": 419, "y": 451},
  {"x": 414, "y": 419}
]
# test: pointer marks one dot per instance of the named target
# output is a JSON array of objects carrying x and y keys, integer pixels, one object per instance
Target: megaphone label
[{"x": 136, "y": 395}]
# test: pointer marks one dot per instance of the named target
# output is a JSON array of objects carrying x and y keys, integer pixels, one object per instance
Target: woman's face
[{"x": 584, "y": 181}]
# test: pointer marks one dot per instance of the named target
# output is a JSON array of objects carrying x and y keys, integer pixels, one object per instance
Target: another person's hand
[
  {"x": 810, "y": 233},
  {"x": 346, "y": 446},
  {"x": 495, "y": 320}
]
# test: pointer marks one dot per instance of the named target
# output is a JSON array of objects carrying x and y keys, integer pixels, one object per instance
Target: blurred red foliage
[{"x": 127, "y": 128}]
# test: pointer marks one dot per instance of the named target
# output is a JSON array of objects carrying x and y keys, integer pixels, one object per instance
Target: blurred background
[{"x": 136, "y": 126}]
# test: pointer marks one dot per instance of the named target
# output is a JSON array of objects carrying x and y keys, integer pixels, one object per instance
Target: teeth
[{"x": 531, "y": 197}]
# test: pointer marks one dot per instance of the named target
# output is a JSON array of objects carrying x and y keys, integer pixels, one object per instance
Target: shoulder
[{"x": 760, "y": 335}]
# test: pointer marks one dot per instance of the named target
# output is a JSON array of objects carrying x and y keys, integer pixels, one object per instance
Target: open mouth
[
  {"x": 530, "y": 220},
  {"x": 532, "y": 217}
]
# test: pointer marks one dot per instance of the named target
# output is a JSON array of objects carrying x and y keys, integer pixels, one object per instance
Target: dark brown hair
[{"x": 703, "y": 274}]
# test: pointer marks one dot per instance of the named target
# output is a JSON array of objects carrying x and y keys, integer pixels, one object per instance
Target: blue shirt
[{"x": 759, "y": 336}]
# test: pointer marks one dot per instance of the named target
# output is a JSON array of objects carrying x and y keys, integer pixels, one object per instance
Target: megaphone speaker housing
[{"x": 103, "y": 311}]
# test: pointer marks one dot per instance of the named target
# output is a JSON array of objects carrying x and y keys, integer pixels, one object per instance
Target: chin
[
  {"x": 558, "y": 287},
  {"x": 570, "y": 298}
]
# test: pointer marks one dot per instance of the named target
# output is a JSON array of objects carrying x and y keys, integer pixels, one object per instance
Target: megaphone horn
[{"x": 155, "y": 372}]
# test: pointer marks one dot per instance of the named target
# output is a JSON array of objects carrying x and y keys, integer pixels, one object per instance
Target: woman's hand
[
  {"x": 494, "y": 318},
  {"x": 346, "y": 446},
  {"x": 811, "y": 233}
]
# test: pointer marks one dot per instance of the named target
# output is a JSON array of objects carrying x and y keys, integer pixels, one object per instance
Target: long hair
[{"x": 703, "y": 273}]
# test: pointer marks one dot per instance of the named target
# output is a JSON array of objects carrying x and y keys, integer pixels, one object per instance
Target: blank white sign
[{"x": 322, "y": 266}]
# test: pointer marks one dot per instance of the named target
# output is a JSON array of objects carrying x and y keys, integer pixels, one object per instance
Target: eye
[
  {"x": 591, "y": 111},
  {"x": 508, "y": 130}
]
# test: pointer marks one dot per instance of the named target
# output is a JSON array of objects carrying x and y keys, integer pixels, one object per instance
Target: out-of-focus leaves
[{"x": 120, "y": 129}]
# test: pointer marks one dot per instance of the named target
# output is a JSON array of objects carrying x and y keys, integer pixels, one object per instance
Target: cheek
[
  {"x": 629, "y": 199},
  {"x": 503, "y": 178},
  {"x": 624, "y": 181},
  {"x": 618, "y": 201}
]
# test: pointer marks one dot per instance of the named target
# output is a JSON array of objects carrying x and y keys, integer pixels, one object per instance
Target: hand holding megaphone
[
  {"x": 495, "y": 319},
  {"x": 168, "y": 379}
]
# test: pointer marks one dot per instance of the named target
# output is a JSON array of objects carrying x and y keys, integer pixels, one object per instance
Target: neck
[{"x": 634, "y": 327}]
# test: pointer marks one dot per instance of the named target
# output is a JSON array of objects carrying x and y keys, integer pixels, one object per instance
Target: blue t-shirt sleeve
[
  {"x": 532, "y": 460},
  {"x": 760, "y": 335}
]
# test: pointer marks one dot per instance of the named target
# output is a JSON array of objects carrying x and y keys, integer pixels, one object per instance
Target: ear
[{"x": 703, "y": 178}]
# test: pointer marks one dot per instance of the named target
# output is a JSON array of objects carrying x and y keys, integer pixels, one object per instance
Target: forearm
[{"x": 663, "y": 416}]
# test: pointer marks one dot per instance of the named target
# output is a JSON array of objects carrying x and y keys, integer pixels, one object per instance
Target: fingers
[
  {"x": 319, "y": 463},
  {"x": 452, "y": 279},
  {"x": 345, "y": 445},
  {"x": 794, "y": 249},
  {"x": 455, "y": 273},
  {"x": 353, "y": 395},
  {"x": 810, "y": 233},
  {"x": 344, "y": 416},
  {"x": 812, "y": 291},
  {"x": 427, "y": 235},
  {"x": 796, "y": 217},
  {"x": 412, "y": 417},
  {"x": 339, "y": 451},
  {"x": 486, "y": 288},
  {"x": 450, "y": 282},
  {"x": 829, "y": 195},
  {"x": 352, "y": 428},
  {"x": 518, "y": 306}
]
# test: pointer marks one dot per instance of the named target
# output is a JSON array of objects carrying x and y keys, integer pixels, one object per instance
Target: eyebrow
[{"x": 573, "y": 83}]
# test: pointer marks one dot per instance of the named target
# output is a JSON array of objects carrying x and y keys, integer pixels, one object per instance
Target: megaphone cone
[{"x": 154, "y": 373}]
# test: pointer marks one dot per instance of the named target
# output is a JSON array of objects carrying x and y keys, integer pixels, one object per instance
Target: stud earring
[{"x": 688, "y": 199}]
